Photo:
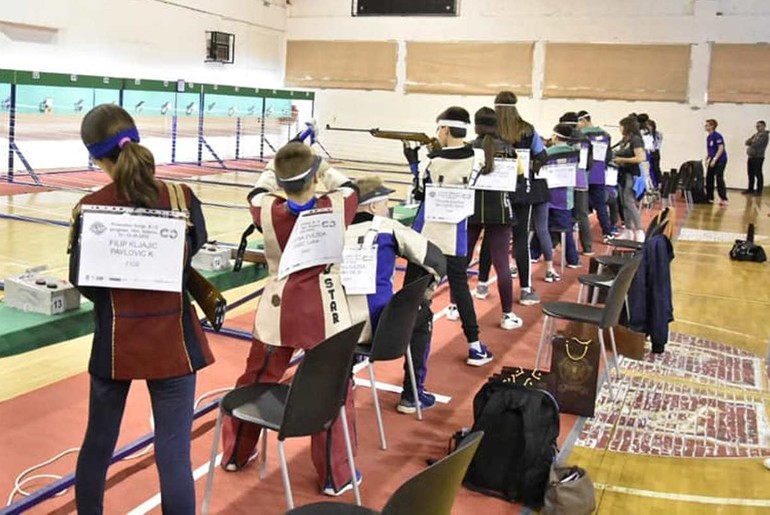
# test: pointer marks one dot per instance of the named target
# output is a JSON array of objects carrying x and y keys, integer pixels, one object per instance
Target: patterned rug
[{"x": 698, "y": 399}]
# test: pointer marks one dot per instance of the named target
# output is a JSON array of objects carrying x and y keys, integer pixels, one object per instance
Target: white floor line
[
  {"x": 154, "y": 501},
  {"x": 700, "y": 499},
  {"x": 386, "y": 387}
]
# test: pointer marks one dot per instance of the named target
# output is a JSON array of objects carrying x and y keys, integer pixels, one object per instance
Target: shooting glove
[
  {"x": 311, "y": 131},
  {"x": 412, "y": 157}
]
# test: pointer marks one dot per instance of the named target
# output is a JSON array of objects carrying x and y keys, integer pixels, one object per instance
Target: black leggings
[
  {"x": 497, "y": 239},
  {"x": 457, "y": 276},
  {"x": 523, "y": 213}
]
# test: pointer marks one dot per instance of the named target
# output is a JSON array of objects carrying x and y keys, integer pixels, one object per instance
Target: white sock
[{"x": 475, "y": 346}]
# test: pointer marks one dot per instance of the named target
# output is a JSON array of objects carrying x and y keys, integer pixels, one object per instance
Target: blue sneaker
[
  {"x": 334, "y": 492},
  {"x": 407, "y": 405},
  {"x": 479, "y": 358}
]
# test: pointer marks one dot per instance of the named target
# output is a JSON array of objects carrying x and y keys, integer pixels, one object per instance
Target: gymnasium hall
[{"x": 633, "y": 311}]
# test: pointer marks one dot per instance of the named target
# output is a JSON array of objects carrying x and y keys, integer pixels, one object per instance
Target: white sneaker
[
  {"x": 452, "y": 313},
  {"x": 767, "y": 463},
  {"x": 510, "y": 321},
  {"x": 481, "y": 291}
]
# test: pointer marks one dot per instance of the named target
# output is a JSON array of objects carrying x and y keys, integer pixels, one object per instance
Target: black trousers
[
  {"x": 457, "y": 275},
  {"x": 755, "y": 172},
  {"x": 716, "y": 172},
  {"x": 422, "y": 333}
]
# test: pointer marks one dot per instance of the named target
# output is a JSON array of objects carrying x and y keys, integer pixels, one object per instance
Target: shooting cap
[{"x": 372, "y": 189}]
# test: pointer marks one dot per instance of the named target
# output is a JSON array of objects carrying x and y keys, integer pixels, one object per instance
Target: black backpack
[{"x": 520, "y": 427}]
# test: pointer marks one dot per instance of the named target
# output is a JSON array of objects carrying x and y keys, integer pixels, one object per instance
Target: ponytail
[
  {"x": 135, "y": 175},
  {"x": 489, "y": 147}
]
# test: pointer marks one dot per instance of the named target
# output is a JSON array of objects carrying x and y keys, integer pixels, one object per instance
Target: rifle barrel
[{"x": 347, "y": 129}]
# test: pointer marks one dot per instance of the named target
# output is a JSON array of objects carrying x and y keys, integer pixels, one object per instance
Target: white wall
[
  {"x": 153, "y": 39},
  {"x": 695, "y": 22}
]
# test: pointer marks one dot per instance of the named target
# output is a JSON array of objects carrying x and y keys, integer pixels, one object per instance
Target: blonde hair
[{"x": 510, "y": 126}]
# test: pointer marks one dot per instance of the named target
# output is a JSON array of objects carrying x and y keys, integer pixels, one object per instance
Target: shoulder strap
[
  {"x": 177, "y": 199},
  {"x": 176, "y": 195}
]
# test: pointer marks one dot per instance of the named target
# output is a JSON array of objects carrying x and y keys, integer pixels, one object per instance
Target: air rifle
[{"x": 404, "y": 136}]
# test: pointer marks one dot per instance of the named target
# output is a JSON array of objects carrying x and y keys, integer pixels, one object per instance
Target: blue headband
[{"x": 103, "y": 148}]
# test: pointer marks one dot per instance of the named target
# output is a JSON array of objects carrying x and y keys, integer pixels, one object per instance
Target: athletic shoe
[
  {"x": 575, "y": 265},
  {"x": 723, "y": 203},
  {"x": 767, "y": 463},
  {"x": 233, "y": 467},
  {"x": 514, "y": 272},
  {"x": 533, "y": 260},
  {"x": 551, "y": 276},
  {"x": 479, "y": 358},
  {"x": 529, "y": 298},
  {"x": 481, "y": 291},
  {"x": 747, "y": 192},
  {"x": 408, "y": 406},
  {"x": 452, "y": 313},
  {"x": 608, "y": 237},
  {"x": 510, "y": 321},
  {"x": 334, "y": 492},
  {"x": 589, "y": 253}
]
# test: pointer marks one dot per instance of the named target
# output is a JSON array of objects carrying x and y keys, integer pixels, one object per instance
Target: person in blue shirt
[
  {"x": 372, "y": 226},
  {"x": 716, "y": 161}
]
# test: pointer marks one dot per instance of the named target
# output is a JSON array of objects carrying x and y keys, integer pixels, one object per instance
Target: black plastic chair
[
  {"x": 430, "y": 492},
  {"x": 391, "y": 340},
  {"x": 308, "y": 405},
  {"x": 604, "y": 317},
  {"x": 656, "y": 225}
]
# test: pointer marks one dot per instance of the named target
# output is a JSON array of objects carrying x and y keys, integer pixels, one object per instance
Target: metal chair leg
[
  {"x": 606, "y": 363},
  {"x": 615, "y": 354},
  {"x": 580, "y": 292},
  {"x": 413, "y": 379},
  {"x": 349, "y": 449},
  {"x": 285, "y": 475},
  {"x": 377, "y": 412},
  {"x": 563, "y": 251},
  {"x": 263, "y": 452},
  {"x": 542, "y": 340},
  {"x": 212, "y": 464}
]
